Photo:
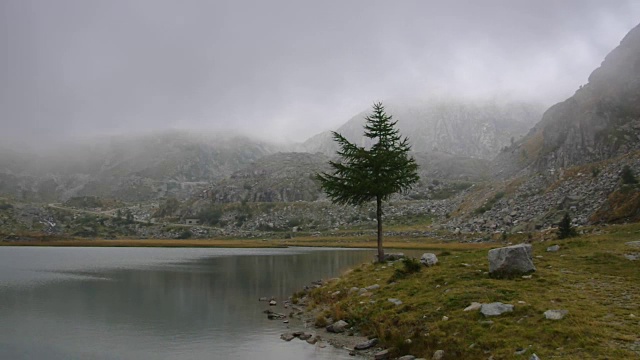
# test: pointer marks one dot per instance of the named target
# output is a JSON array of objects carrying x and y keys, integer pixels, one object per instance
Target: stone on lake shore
[
  {"x": 287, "y": 336},
  {"x": 382, "y": 355},
  {"x": 337, "y": 327},
  {"x": 367, "y": 344},
  {"x": 438, "y": 355}
]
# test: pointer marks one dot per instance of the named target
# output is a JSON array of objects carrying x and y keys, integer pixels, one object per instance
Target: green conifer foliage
[
  {"x": 362, "y": 175},
  {"x": 565, "y": 230}
]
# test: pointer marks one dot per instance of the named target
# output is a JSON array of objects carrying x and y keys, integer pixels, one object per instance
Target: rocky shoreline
[{"x": 301, "y": 324}]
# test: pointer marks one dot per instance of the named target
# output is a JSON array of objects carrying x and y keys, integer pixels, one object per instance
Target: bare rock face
[
  {"x": 511, "y": 260},
  {"x": 600, "y": 121}
]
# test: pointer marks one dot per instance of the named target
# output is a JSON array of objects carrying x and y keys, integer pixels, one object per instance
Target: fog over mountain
[{"x": 282, "y": 70}]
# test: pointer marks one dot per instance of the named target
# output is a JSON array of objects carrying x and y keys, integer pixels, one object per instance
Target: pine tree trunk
[{"x": 379, "y": 218}]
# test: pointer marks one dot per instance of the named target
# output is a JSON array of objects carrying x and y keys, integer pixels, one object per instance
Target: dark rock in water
[
  {"x": 264, "y": 298},
  {"x": 511, "y": 260},
  {"x": 337, "y": 327},
  {"x": 305, "y": 336},
  {"x": 298, "y": 333},
  {"x": 273, "y": 303},
  {"x": 272, "y": 315},
  {"x": 367, "y": 344},
  {"x": 276, "y": 316},
  {"x": 312, "y": 340},
  {"x": 287, "y": 336}
]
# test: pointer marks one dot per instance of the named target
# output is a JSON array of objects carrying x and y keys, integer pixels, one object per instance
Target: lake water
[{"x": 141, "y": 303}]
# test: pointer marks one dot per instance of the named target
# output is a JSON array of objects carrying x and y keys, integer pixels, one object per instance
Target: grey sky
[{"x": 285, "y": 69}]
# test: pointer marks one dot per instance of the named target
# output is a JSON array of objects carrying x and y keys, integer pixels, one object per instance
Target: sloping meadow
[{"x": 594, "y": 278}]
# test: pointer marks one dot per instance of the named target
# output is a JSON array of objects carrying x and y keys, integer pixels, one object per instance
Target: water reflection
[{"x": 155, "y": 303}]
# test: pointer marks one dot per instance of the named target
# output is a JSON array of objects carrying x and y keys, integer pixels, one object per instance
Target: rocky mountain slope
[
  {"x": 600, "y": 121},
  {"x": 466, "y": 128}
]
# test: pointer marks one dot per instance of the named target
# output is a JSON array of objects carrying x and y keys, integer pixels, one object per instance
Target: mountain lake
[{"x": 157, "y": 303}]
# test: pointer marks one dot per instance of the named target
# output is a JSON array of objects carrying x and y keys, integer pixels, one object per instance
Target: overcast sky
[{"x": 282, "y": 69}]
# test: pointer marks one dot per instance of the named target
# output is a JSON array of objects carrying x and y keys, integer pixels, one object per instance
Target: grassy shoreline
[{"x": 590, "y": 277}]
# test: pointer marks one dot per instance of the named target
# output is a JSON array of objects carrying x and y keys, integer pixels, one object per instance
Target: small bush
[
  {"x": 5, "y": 206},
  {"x": 410, "y": 266},
  {"x": 565, "y": 230},
  {"x": 627, "y": 176},
  {"x": 489, "y": 204},
  {"x": 185, "y": 235},
  {"x": 321, "y": 321}
]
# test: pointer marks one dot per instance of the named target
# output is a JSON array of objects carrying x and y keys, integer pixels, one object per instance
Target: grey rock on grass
[
  {"x": 495, "y": 309},
  {"x": 511, "y": 260},
  {"x": 553, "y": 248},
  {"x": 429, "y": 259},
  {"x": 555, "y": 314}
]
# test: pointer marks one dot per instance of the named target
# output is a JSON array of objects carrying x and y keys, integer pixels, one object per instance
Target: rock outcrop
[
  {"x": 511, "y": 260},
  {"x": 600, "y": 121}
]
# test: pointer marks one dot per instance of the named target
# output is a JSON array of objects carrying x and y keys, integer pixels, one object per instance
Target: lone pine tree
[
  {"x": 565, "y": 230},
  {"x": 362, "y": 175}
]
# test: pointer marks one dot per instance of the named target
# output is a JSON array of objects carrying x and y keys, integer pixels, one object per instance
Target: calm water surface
[{"x": 138, "y": 303}]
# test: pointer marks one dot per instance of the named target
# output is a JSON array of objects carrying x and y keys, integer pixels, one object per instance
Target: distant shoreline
[
  {"x": 168, "y": 243},
  {"x": 394, "y": 244}
]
